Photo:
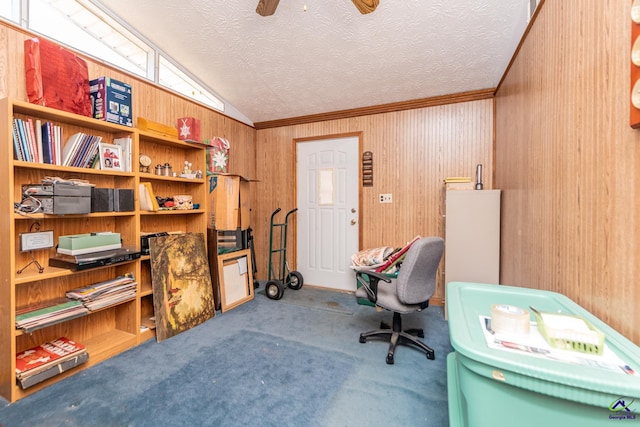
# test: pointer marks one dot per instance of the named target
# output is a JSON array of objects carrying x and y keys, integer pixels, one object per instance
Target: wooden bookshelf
[
  {"x": 109, "y": 331},
  {"x": 164, "y": 150}
]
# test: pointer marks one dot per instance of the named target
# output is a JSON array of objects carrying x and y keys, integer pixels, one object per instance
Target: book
[
  {"x": 79, "y": 149},
  {"x": 96, "y": 290},
  {"x": 125, "y": 143},
  {"x": 52, "y": 371},
  {"x": 31, "y": 137},
  {"x": 40, "y": 357},
  {"x": 57, "y": 146},
  {"x": 30, "y": 319},
  {"x": 24, "y": 143},
  {"x": 17, "y": 146},
  {"x": 70, "y": 148},
  {"x": 45, "y": 134},
  {"x": 44, "y": 361},
  {"x": 38, "y": 137},
  {"x": 451, "y": 179},
  {"x": 148, "y": 201}
]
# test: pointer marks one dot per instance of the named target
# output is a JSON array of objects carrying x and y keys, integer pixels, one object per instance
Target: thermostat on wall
[{"x": 37, "y": 240}]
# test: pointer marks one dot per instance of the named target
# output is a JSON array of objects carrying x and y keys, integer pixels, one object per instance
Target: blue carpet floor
[{"x": 291, "y": 362}]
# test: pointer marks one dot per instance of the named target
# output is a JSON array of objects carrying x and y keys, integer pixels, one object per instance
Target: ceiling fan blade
[
  {"x": 366, "y": 6},
  {"x": 267, "y": 7}
]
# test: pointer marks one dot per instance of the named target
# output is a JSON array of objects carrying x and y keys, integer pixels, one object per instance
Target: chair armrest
[{"x": 371, "y": 286}]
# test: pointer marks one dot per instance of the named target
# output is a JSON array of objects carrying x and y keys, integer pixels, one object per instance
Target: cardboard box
[
  {"x": 111, "y": 101},
  {"x": 189, "y": 129},
  {"x": 230, "y": 202},
  {"x": 56, "y": 77}
]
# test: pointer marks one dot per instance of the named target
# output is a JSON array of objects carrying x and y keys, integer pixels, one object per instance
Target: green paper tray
[{"x": 591, "y": 341}]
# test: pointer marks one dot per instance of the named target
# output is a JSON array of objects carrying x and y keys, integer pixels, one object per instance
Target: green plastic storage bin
[{"x": 494, "y": 387}]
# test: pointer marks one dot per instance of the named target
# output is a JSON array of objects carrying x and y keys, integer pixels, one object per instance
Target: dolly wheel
[
  {"x": 274, "y": 289},
  {"x": 294, "y": 280}
]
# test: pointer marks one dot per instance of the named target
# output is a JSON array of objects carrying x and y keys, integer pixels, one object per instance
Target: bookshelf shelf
[
  {"x": 163, "y": 150},
  {"x": 69, "y": 169},
  {"x": 174, "y": 212},
  {"x": 111, "y": 330}
]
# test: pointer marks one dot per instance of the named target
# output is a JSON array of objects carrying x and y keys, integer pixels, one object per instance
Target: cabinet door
[{"x": 472, "y": 236}]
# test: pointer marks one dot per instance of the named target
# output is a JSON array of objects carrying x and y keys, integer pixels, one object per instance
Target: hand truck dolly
[{"x": 274, "y": 289}]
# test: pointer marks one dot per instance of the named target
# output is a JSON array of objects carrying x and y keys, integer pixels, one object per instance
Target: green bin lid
[{"x": 466, "y": 302}]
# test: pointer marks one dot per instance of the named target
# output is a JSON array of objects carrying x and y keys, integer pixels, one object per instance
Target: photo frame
[
  {"x": 235, "y": 276},
  {"x": 110, "y": 157}
]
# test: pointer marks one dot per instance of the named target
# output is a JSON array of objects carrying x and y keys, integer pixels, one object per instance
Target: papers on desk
[{"x": 535, "y": 345}]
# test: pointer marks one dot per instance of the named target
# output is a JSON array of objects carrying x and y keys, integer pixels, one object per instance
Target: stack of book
[
  {"x": 34, "y": 141},
  {"x": 82, "y": 151},
  {"x": 47, "y": 360},
  {"x": 104, "y": 294},
  {"x": 37, "y": 316}
]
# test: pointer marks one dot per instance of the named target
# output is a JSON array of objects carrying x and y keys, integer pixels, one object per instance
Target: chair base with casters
[
  {"x": 408, "y": 293},
  {"x": 395, "y": 335}
]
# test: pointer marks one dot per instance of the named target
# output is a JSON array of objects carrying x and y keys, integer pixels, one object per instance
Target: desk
[{"x": 494, "y": 387}]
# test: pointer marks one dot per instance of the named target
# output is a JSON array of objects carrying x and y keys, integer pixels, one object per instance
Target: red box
[
  {"x": 56, "y": 77},
  {"x": 189, "y": 129}
]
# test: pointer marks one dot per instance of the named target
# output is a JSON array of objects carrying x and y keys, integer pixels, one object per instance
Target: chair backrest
[{"x": 416, "y": 282}]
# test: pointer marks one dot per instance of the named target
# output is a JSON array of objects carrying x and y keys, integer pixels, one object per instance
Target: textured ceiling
[{"x": 329, "y": 58}]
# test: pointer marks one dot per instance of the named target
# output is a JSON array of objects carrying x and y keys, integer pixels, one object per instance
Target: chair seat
[{"x": 388, "y": 298}]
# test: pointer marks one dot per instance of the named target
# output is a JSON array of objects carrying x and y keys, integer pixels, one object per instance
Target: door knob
[
  {"x": 353, "y": 222},
  {"x": 353, "y": 210}
]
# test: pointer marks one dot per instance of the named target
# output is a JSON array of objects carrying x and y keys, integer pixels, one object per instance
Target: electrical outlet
[{"x": 386, "y": 198}]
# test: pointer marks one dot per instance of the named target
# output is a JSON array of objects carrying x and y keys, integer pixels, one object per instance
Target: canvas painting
[{"x": 182, "y": 291}]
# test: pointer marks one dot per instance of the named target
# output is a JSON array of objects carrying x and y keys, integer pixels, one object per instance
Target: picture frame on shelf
[{"x": 111, "y": 157}]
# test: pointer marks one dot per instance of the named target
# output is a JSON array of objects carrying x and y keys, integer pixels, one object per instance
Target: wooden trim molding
[{"x": 475, "y": 95}]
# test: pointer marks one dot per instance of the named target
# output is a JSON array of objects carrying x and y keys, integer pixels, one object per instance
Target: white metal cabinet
[{"x": 472, "y": 236}]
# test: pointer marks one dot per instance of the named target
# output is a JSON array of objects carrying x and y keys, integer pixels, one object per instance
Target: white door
[{"x": 328, "y": 211}]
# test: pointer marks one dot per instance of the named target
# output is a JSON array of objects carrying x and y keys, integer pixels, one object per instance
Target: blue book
[
  {"x": 47, "y": 152},
  {"x": 17, "y": 147},
  {"x": 24, "y": 142}
]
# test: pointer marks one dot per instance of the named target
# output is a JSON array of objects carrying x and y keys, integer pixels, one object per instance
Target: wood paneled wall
[
  {"x": 148, "y": 101},
  {"x": 568, "y": 161},
  {"x": 413, "y": 151}
]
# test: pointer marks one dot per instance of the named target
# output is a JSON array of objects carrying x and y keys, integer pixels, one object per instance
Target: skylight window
[
  {"x": 10, "y": 10},
  {"x": 81, "y": 25},
  {"x": 84, "y": 30},
  {"x": 173, "y": 78}
]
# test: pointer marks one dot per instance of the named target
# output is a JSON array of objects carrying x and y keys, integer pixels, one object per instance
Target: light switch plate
[{"x": 37, "y": 240}]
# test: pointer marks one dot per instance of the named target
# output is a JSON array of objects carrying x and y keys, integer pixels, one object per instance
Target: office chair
[{"x": 408, "y": 293}]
